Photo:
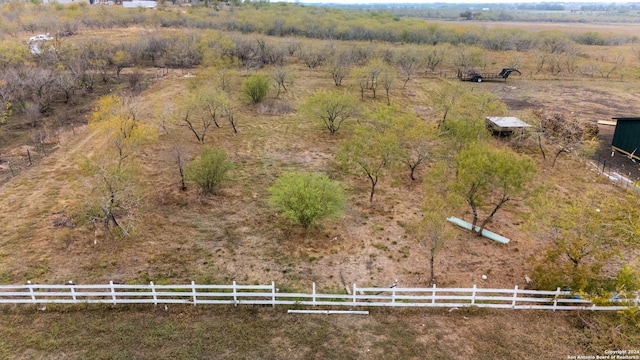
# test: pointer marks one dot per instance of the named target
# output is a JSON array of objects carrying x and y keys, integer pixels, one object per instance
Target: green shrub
[
  {"x": 209, "y": 169},
  {"x": 305, "y": 198},
  {"x": 256, "y": 87}
]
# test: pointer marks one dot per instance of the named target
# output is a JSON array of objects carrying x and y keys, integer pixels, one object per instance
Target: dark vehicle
[{"x": 480, "y": 77}]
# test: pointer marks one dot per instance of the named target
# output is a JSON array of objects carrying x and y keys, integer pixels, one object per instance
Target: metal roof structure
[
  {"x": 505, "y": 124},
  {"x": 626, "y": 138}
]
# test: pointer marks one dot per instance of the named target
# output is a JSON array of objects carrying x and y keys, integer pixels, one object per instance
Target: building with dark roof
[{"x": 626, "y": 138}]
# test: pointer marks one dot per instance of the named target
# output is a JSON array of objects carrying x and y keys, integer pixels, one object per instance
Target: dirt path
[{"x": 51, "y": 191}]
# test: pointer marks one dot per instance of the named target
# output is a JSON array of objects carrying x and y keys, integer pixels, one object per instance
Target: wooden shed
[{"x": 626, "y": 137}]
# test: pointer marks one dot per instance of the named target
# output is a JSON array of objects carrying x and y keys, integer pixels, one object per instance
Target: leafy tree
[
  {"x": 121, "y": 59},
  {"x": 210, "y": 102},
  {"x": 489, "y": 177},
  {"x": 6, "y": 112},
  {"x": 209, "y": 169},
  {"x": 461, "y": 131},
  {"x": 447, "y": 98},
  {"x": 202, "y": 108},
  {"x": 369, "y": 150},
  {"x": 306, "y": 198},
  {"x": 586, "y": 232},
  {"x": 432, "y": 228},
  {"x": 116, "y": 117},
  {"x": 413, "y": 136},
  {"x": 113, "y": 190},
  {"x": 332, "y": 107},
  {"x": 114, "y": 185},
  {"x": 255, "y": 88},
  {"x": 13, "y": 54},
  {"x": 462, "y": 110}
]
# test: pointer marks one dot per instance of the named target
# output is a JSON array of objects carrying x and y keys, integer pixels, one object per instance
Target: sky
[{"x": 450, "y": 1}]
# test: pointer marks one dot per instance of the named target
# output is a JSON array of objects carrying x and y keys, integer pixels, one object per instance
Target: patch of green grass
[
  {"x": 36, "y": 269},
  {"x": 381, "y": 247}
]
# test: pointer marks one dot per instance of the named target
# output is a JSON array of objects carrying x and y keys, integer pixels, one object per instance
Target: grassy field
[
  {"x": 47, "y": 236},
  {"x": 264, "y": 333}
]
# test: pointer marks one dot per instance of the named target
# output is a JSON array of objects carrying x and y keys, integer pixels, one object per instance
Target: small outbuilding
[
  {"x": 626, "y": 137},
  {"x": 499, "y": 125}
]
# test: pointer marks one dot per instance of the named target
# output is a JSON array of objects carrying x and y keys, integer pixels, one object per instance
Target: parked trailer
[{"x": 480, "y": 77}]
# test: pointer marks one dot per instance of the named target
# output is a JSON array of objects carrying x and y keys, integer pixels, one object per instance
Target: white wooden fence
[{"x": 269, "y": 295}]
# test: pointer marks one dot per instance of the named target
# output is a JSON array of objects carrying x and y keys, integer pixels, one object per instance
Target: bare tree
[
  {"x": 67, "y": 83},
  {"x": 281, "y": 75},
  {"x": 610, "y": 64},
  {"x": 340, "y": 67},
  {"x": 180, "y": 164},
  {"x": 468, "y": 58},
  {"x": 154, "y": 47},
  {"x": 292, "y": 47},
  {"x": 434, "y": 57},
  {"x": 183, "y": 52},
  {"x": 269, "y": 54},
  {"x": 135, "y": 79},
  {"x": 199, "y": 133},
  {"x": 227, "y": 111},
  {"x": 40, "y": 86},
  {"x": 408, "y": 62},
  {"x": 374, "y": 70},
  {"x": 386, "y": 79},
  {"x": 312, "y": 57}
]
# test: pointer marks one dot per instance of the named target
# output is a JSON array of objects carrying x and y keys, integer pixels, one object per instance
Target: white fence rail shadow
[{"x": 235, "y": 294}]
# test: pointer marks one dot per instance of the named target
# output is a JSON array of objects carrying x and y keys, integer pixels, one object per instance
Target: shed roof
[
  {"x": 627, "y": 118},
  {"x": 626, "y": 137},
  {"x": 507, "y": 122}
]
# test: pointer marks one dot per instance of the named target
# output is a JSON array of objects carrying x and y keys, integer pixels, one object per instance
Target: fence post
[
  {"x": 73, "y": 291},
  {"x": 33, "y": 294},
  {"x": 473, "y": 295},
  {"x": 515, "y": 296},
  {"x": 273, "y": 294},
  {"x": 235, "y": 294},
  {"x": 393, "y": 296},
  {"x": 113, "y": 292},
  {"x": 313, "y": 298},
  {"x": 433, "y": 294},
  {"x": 193, "y": 291},
  {"x": 555, "y": 300},
  {"x": 153, "y": 292},
  {"x": 354, "y": 294}
]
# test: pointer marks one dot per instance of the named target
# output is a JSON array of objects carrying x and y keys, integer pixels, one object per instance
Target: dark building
[{"x": 626, "y": 138}]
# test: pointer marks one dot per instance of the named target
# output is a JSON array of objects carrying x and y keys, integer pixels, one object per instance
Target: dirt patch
[{"x": 587, "y": 101}]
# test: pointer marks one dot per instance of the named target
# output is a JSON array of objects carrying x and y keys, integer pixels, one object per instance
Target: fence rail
[{"x": 235, "y": 294}]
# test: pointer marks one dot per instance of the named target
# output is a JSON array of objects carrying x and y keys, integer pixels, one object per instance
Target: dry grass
[
  {"x": 234, "y": 235},
  {"x": 251, "y": 333}
]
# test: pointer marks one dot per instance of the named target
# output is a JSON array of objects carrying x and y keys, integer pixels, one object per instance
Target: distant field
[{"x": 572, "y": 28}]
